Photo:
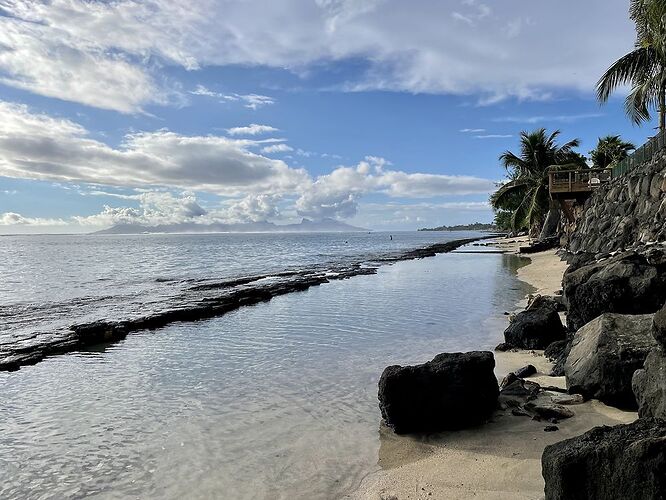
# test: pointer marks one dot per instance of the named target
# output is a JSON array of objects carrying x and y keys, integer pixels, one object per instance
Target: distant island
[
  {"x": 476, "y": 226},
  {"x": 305, "y": 226}
]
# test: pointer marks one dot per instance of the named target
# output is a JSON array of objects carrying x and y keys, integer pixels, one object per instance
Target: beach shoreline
[{"x": 501, "y": 459}]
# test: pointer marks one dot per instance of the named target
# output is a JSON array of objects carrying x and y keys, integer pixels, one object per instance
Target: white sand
[{"x": 499, "y": 460}]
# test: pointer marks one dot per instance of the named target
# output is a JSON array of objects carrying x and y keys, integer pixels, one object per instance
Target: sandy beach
[{"x": 501, "y": 459}]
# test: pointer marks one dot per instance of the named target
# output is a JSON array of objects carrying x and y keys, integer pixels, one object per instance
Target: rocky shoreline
[
  {"x": 201, "y": 301},
  {"x": 599, "y": 377}
]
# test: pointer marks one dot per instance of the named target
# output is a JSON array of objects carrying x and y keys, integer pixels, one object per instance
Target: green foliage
[
  {"x": 503, "y": 220},
  {"x": 610, "y": 150},
  {"x": 525, "y": 195},
  {"x": 644, "y": 68}
]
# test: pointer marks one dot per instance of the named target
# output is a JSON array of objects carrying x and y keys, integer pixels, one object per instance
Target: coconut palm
[
  {"x": 609, "y": 151},
  {"x": 644, "y": 68},
  {"x": 526, "y": 192}
]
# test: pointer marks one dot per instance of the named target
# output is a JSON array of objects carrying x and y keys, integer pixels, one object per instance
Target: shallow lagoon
[{"x": 276, "y": 400}]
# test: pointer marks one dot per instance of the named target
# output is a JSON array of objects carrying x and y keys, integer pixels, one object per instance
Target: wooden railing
[{"x": 578, "y": 181}]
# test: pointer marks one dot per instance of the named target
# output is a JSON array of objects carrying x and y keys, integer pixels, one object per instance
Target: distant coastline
[{"x": 476, "y": 226}]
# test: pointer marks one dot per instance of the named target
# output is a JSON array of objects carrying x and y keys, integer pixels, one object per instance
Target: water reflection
[{"x": 277, "y": 400}]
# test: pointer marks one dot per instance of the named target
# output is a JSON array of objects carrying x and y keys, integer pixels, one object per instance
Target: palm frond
[{"x": 625, "y": 70}]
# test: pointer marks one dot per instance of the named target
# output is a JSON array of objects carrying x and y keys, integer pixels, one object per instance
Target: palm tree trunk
[
  {"x": 662, "y": 107},
  {"x": 550, "y": 224}
]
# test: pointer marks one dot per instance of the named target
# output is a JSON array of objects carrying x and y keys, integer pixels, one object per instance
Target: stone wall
[{"x": 628, "y": 211}]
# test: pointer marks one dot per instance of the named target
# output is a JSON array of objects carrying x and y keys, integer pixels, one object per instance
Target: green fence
[{"x": 643, "y": 154}]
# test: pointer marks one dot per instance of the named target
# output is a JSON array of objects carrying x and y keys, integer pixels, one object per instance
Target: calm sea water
[{"x": 277, "y": 400}]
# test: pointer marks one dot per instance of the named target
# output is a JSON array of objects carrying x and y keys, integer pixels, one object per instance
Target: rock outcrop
[
  {"x": 659, "y": 327},
  {"x": 630, "y": 209},
  {"x": 557, "y": 352},
  {"x": 536, "y": 327},
  {"x": 604, "y": 355},
  {"x": 453, "y": 391},
  {"x": 625, "y": 461},
  {"x": 538, "y": 301},
  {"x": 649, "y": 383},
  {"x": 628, "y": 283}
]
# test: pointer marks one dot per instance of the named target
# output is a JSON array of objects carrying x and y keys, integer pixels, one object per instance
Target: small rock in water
[
  {"x": 548, "y": 411},
  {"x": 519, "y": 412},
  {"x": 525, "y": 371},
  {"x": 553, "y": 388},
  {"x": 551, "y": 428},
  {"x": 503, "y": 347},
  {"x": 515, "y": 388},
  {"x": 570, "y": 399},
  {"x": 508, "y": 380}
]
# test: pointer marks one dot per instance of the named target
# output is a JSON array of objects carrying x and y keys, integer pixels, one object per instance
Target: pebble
[{"x": 569, "y": 399}]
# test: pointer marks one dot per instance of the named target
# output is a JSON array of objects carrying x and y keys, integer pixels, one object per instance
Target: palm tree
[
  {"x": 644, "y": 68},
  {"x": 526, "y": 192},
  {"x": 610, "y": 150}
]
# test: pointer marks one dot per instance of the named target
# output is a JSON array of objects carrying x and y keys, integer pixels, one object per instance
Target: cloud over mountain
[{"x": 42, "y": 147}]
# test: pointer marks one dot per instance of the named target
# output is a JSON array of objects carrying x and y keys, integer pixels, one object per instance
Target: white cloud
[
  {"x": 338, "y": 193},
  {"x": 252, "y": 129},
  {"x": 204, "y": 91},
  {"x": 109, "y": 54},
  {"x": 155, "y": 207},
  {"x": 548, "y": 118},
  {"x": 472, "y": 130},
  {"x": 252, "y": 208},
  {"x": 251, "y": 101},
  {"x": 38, "y": 146},
  {"x": 46, "y": 60},
  {"x": 277, "y": 148},
  {"x": 14, "y": 219}
]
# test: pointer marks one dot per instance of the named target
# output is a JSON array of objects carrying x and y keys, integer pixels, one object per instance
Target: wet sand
[{"x": 501, "y": 459}]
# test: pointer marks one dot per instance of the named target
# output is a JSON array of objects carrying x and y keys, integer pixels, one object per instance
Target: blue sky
[{"x": 384, "y": 113}]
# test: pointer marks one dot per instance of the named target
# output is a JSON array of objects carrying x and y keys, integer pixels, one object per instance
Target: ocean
[{"x": 275, "y": 400}]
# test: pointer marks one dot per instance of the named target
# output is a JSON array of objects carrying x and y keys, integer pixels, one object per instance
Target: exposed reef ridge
[{"x": 203, "y": 300}]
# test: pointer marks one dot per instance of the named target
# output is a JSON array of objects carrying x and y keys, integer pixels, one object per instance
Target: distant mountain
[
  {"x": 476, "y": 226},
  {"x": 305, "y": 226}
]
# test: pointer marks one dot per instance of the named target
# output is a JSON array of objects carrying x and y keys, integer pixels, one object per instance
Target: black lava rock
[
  {"x": 525, "y": 371},
  {"x": 628, "y": 283},
  {"x": 535, "y": 328},
  {"x": 625, "y": 461},
  {"x": 453, "y": 391}
]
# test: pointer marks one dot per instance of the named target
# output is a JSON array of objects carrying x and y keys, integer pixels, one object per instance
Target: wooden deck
[{"x": 576, "y": 184}]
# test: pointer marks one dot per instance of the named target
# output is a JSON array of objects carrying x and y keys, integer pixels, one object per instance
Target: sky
[{"x": 387, "y": 114}]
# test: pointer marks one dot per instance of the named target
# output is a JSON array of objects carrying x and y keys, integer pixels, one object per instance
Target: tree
[
  {"x": 609, "y": 151},
  {"x": 503, "y": 220},
  {"x": 644, "y": 68},
  {"x": 526, "y": 192}
]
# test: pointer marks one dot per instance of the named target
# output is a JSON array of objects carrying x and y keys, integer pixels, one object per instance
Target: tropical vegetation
[
  {"x": 523, "y": 201},
  {"x": 525, "y": 194},
  {"x": 644, "y": 68},
  {"x": 610, "y": 150}
]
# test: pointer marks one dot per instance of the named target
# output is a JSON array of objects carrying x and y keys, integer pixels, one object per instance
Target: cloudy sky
[{"x": 389, "y": 114}]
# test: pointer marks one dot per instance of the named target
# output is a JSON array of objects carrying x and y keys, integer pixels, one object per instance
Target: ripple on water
[{"x": 276, "y": 400}]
